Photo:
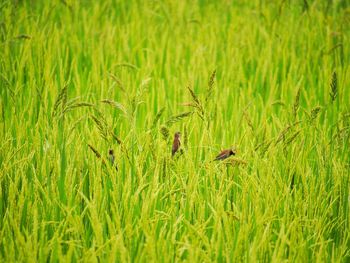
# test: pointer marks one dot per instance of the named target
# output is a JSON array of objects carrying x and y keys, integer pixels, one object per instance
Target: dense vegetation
[{"x": 269, "y": 78}]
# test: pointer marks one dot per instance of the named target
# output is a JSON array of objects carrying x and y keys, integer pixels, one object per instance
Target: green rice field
[{"x": 83, "y": 82}]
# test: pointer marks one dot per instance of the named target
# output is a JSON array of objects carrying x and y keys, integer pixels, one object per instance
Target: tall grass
[{"x": 78, "y": 78}]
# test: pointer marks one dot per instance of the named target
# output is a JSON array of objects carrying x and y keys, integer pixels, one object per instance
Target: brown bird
[
  {"x": 225, "y": 154},
  {"x": 176, "y": 144},
  {"x": 111, "y": 158}
]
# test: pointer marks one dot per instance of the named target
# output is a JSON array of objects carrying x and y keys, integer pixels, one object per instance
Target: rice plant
[{"x": 93, "y": 92}]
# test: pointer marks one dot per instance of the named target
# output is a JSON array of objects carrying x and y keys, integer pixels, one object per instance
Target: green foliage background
[{"x": 270, "y": 78}]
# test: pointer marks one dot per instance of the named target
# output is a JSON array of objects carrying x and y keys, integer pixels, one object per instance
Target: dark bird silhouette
[
  {"x": 225, "y": 154},
  {"x": 111, "y": 158},
  {"x": 176, "y": 143}
]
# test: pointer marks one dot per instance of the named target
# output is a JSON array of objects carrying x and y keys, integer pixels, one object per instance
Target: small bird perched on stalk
[
  {"x": 111, "y": 158},
  {"x": 176, "y": 144},
  {"x": 225, "y": 154}
]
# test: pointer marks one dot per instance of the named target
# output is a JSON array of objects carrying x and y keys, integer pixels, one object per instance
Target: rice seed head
[
  {"x": 248, "y": 120},
  {"x": 314, "y": 112},
  {"x": 189, "y": 104},
  {"x": 164, "y": 167},
  {"x": 98, "y": 155},
  {"x": 196, "y": 100},
  {"x": 278, "y": 103},
  {"x": 64, "y": 97},
  {"x": 282, "y": 134},
  {"x": 127, "y": 65},
  {"x": 177, "y": 118},
  {"x": 346, "y": 119},
  {"x": 196, "y": 103},
  {"x": 193, "y": 95},
  {"x": 116, "y": 105},
  {"x": 142, "y": 90},
  {"x": 165, "y": 132},
  {"x": 235, "y": 162},
  {"x": 101, "y": 125},
  {"x": 265, "y": 147},
  {"x": 292, "y": 182},
  {"x": 76, "y": 105},
  {"x": 185, "y": 136},
  {"x": 145, "y": 83},
  {"x": 156, "y": 119},
  {"x": 115, "y": 137},
  {"x": 117, "y": 81},
  {"x": 75, "y": 124},
  {"x": 23, "y": 36},
  {"x": 285, "y": 131},
  {"x": 292, "y": 138},
  {"x": 334, "y": 87},
  {"x": 60, "y": 100},
  {"x": 210, "y": 85},
  {"x": 211, "y": 79},
  {"x": 296, "y": 103}
]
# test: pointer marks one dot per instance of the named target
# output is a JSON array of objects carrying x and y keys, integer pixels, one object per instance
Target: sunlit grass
[{"x": 78, "y": 78}]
